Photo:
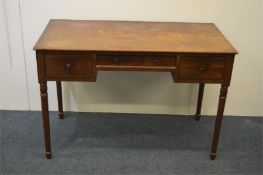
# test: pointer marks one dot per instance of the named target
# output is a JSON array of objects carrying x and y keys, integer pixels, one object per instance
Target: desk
[{"x": 75, "y": 50}]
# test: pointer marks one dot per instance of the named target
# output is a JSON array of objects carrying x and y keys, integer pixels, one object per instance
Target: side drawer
[
  {"x": 136, "y": 62},
  {"x": 201, "y": 68},
  {"x": 70, "y": 66}
]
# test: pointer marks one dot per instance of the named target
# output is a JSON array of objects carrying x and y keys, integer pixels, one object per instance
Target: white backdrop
[{"x": 241, "y": 21}]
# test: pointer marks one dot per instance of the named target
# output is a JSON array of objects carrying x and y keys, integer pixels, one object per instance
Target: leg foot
[
  {"x": 197, "y": 117},
  {"x": 61, "y": 115},
  {"x": 48, "y": 155},
  {"x": 212, "y": 156}
]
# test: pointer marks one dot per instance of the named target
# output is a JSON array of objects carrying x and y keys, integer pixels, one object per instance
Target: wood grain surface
[{"x": 131, "y": 36}]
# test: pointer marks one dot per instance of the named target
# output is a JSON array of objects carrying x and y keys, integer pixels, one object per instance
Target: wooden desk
[{"x": 75, "y": 50}]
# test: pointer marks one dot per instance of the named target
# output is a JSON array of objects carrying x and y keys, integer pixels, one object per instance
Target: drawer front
[
  {"x": 135, "y": 61},
  {"x": 201, "y": 68},
  {"x": 69, "y": 66}
]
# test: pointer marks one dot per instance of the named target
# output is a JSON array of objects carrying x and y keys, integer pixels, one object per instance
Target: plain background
[{"x": 22, "y": 22}]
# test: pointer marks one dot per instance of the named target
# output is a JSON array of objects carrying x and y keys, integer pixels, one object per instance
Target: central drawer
[{"x": 135, "y": 62}]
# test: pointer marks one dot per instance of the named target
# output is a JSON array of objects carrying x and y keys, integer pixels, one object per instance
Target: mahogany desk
[{"x": 75, "y": 50}]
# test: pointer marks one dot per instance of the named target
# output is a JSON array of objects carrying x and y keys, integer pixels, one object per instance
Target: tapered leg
[
  {"x": 199, "y": 101},
  {"x": 60, "y": 103},
  {"x": 45, "y": 117},
  {"x": 218, "y": 122}
]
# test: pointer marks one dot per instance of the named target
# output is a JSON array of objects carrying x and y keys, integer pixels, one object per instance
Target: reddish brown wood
[
  {"x": 228, "y": 70},
  {"x": 199, "y": 101},
  {"x": 41, "y": 68},
  {"x": 74, "y": 50},
  {"x": 45, "y": 117},
  {"x": 132, "y": 36},
  {"x": 219, "y": 118},
  {"x": 135, "y": 62},
  {"x": 60, "y": 103},
  {"x": 200, "y": 67},
  {"x": 65, "y": 66},
  {"x": 177, "y": 67},
  {"x": 135, "y": 68},
  {"x": 221, "y": 104}
]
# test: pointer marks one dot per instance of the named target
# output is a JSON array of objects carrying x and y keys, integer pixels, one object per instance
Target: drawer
[
  {"x": 201, "y": 68},
  {"x": 69, "y": 66},
  {"x": 137, "y": 62}
]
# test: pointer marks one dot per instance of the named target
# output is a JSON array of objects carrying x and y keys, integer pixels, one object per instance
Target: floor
[{"x": 114, "y": 144}]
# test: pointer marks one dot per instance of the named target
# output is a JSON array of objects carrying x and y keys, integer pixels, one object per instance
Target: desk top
[{"x": 130, "y": 36}]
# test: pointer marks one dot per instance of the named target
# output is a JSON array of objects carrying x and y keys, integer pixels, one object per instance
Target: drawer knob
[
  {"x": 116, "y": 60},
  {"x": 156, "y": 60},
  {"x": 202, "y": 67},
  {"x": 68, "y": 67}
]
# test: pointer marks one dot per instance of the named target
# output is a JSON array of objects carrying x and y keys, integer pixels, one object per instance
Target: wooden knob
[
  {"x": 202, "y": 67},
  {"x": 116, "y": 60},
  {"x": 156, "y": 60},
  {"x": 68, "y": 67}
]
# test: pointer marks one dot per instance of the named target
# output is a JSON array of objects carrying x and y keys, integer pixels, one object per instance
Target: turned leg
[
  {"x": 218, "y": 122},
  {"x": 60, "y": 104},
  {"x": 199, "y": 101},
  {"x": 45, "y": 117}
]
